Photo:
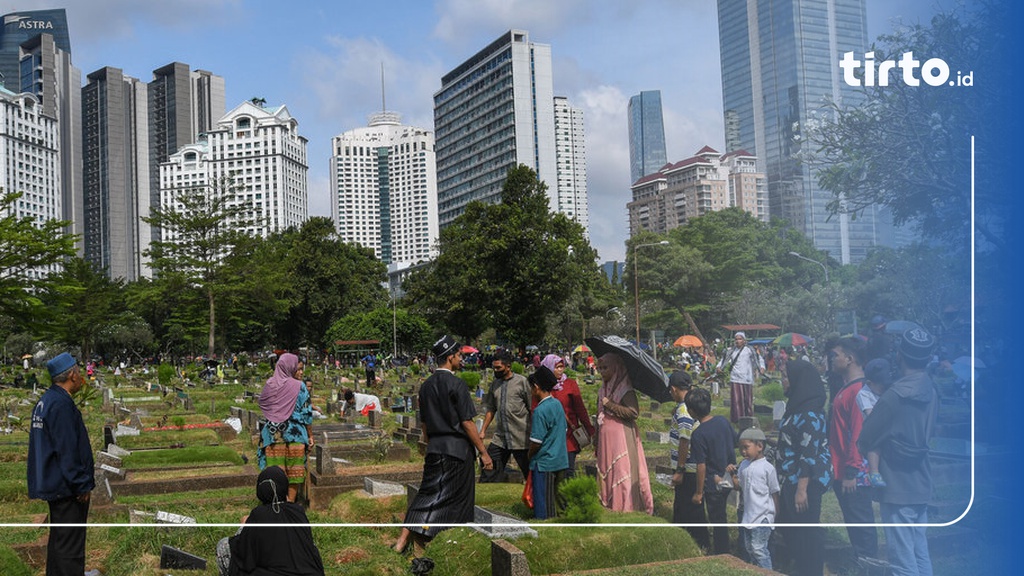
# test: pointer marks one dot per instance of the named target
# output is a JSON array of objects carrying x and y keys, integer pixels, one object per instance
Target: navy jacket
[{"x": 60, "y": 460}]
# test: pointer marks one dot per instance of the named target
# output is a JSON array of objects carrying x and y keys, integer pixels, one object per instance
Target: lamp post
[
  {"x": 828, "y": 286},
  {"x": 636, "y": 285},
  {"x": 825, "y": 269}
]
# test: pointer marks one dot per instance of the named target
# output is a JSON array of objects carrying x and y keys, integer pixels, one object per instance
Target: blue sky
[{"x": 322, "y": 59}]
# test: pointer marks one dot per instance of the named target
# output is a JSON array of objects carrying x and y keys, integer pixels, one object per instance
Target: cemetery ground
[{"x": 177, "y": 461}]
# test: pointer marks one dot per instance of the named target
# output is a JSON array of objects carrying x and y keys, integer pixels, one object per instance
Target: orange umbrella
[{"x": 688, "y": 341}]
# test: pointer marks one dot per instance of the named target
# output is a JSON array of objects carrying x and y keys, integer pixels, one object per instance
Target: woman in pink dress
[{"x": 621, "y": 465}]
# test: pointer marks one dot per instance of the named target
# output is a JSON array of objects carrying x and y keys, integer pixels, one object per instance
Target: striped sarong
[
  {"x": 446, "y": 495},
  {"x": 291, "y": 457},
  {"x": 741, "y": 404}
]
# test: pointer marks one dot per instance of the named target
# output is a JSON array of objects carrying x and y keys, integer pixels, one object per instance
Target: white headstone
[{"x": 778, "y": 409}]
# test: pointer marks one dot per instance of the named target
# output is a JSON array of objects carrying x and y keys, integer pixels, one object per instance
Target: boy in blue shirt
[
  {"x": 713, "y": 449},
  {"x": 549, "y": 459}
]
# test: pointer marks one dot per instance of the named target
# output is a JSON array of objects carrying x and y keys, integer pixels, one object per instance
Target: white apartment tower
[
  {"x": 257, "y": 149},
  {"x": 493, "y": 112},
  {"x": 30, "y": 161},
  {"x": 571, "y": 161},
  {"x": 385, "y": 189}
]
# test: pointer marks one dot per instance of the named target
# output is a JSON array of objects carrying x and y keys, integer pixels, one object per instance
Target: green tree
[
  {"x": 381, "y": 323},
  {"x": 326, "y": 280},
  {"x": 510, "y": 266},
  {"x": 85, "y": 302},
  {"x": 196, "y": 241},
  {"x": 28, "y": 247}
]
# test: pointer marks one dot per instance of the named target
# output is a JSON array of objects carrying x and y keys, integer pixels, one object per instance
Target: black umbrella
[{"x": 645, "y": 373}]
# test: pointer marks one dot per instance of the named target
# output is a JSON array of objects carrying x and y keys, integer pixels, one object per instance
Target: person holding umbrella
[{"x": 621, "y": 464}]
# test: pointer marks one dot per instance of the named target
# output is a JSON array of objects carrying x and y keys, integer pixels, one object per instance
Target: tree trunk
[{"x": 209, "y": 348}]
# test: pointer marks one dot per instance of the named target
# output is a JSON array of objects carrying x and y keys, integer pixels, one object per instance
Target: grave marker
[
  {"x": 507, "y": 560},
  {"x": 174, "y": 559}
]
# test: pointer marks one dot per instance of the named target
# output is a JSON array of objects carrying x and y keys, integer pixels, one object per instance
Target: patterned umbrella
[
  {"x": 581, "y": 348},
  {"x": 645, "y": 373},
  {"x": 793, "y": 339}
]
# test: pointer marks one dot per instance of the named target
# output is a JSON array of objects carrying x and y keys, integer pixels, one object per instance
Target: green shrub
[
  {"x": 582, "y": 504},
  {"x": 772, "y": 392},
  {"x": 472, "y": 378},
  {"x": 415, "y": 369},
  {"x": 165, "y": 373},
  {"x": 518, "y": 368}
]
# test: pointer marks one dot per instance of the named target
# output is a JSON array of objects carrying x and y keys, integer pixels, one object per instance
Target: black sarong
[{"x": 446, "y": 495}]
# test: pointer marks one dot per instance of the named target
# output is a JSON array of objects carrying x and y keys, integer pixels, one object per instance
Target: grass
[{"x": 190, "y": 456}]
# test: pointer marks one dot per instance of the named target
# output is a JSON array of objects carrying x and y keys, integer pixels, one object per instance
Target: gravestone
[
  {"x": 108, "y": 459},
  {"x": 375, "y": 418},
  {"x": 236, "y": 412},
  {"x": 746, "y": 422},
  {"x": 140, "y": 517},
  {"x": 507, "y": 560},
  {"x": 102, "y": 495},
  {"x": 778, "y": 409},
  {"x": 495, "y": 525},
  {"x": 136, "y": 421},
  {"x": 123, "y": 430},
  {"x": 174, "y": 559},
  {"x": 171, "y": 518},
  {"x": 188, "y": 405},
  {"x": 111, "y": 471},
  {"x": 324, "y": 462},
  {"x": 108, "y": 436},
  {"x": 382, "y": 488},
  {"x": 115, "y": 450}
]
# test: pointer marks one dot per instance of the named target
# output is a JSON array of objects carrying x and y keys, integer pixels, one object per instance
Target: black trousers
[
  {"x": 500, "y": 455},
  {"x": 684, "y": 511},
  {"x": 857, "y": 509},
  {"x": 715, "y": 504},
  {"x": 805, "y": 546},
  {"x": 65, "y": 550}
]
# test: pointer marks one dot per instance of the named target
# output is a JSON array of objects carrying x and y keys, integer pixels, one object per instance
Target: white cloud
[{"x": 459, "y": 19}]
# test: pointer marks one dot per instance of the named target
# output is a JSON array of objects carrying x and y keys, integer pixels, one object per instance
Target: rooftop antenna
[{"x": 384, "y": 117}]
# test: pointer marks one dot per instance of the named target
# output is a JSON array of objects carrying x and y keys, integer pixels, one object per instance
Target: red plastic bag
[{"x": 528, "y": 490}]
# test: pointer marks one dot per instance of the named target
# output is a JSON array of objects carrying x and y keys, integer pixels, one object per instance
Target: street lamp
[
  {"x": 636, "y": 285},
  {"x": 797, "y": 255}
]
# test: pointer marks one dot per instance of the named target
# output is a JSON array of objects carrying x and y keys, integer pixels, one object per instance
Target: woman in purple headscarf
[
  {"x": 567, "y": 392},
  {"x": 286, "y": 437}
]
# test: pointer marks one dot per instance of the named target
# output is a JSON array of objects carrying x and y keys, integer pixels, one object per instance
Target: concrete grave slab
[
  {"x": 123, "y": 430},
  {"x": 108, "y": 459},
  {"x": 382, "y": 488},
  {"x": 112, "y": 472},
  {"x": 117, "y": 451},
  {"x": 495, "y": 525},
  {"x": 140, "y": 517}
]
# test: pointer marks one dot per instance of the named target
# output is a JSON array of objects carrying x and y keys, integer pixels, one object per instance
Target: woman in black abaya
[{"x": 272, "y": 550}]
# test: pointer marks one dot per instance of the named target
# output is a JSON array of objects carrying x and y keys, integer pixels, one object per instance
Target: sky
[{"x": 322, "y": 59}]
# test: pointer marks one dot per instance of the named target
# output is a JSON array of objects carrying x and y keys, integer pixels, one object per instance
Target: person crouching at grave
[
  {"x": 286, "y": 438},
  {"x": 271, "y": 550},
  {"x": 361, "y": 403}
]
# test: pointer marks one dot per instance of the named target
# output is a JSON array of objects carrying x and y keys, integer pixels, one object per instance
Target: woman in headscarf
[
  {"x": 567, "y": 392},
  {"x": 287, "y": 436},
  {"x": 621, "y": 465},
  {"x": 804, "y": 466},
  {"x": 271, "y": 550}
]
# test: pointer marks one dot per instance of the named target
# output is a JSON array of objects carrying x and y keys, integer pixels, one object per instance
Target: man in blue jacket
[{"x": 60, "y": 466}]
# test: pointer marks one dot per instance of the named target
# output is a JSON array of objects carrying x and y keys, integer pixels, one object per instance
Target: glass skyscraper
[
  {"x": 647, "y": 152},
  {"x": 779, "y": 71}
]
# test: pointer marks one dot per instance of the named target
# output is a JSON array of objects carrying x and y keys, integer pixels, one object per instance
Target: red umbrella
[
  {"x": 793, "y": 339},
  {"x": 469, "y": 350}
]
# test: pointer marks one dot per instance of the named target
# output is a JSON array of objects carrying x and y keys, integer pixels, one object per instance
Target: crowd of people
[{"x": 859, "y": 426}]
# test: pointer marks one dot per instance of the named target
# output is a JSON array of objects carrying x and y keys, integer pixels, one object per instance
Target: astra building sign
[{"x": 20, "y": 27}]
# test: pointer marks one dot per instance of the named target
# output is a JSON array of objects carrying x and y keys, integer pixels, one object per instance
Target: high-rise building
[
  {"x": 779, "y": 70},
  {"x": 493, "y": 112},
  {"x": 707, "y": 182},
  {"x": 182, "y": 105},
  {"x": 571, "y": 162},
  {"x": 646, "y": 135},
  {"x": 259, "y": 153},
  {"x": 115, "y": 173},
  {"x": 20, "y": 27},
  {"x": 46, "y": 72},
  {"x": 385, "y": 189},
  {"x": 30, "y": 161}
]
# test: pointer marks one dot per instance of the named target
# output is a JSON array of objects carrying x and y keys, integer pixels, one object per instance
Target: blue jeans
[
  {"x": 756, "y": 542},
  {"x": 907, "y": 545}
]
